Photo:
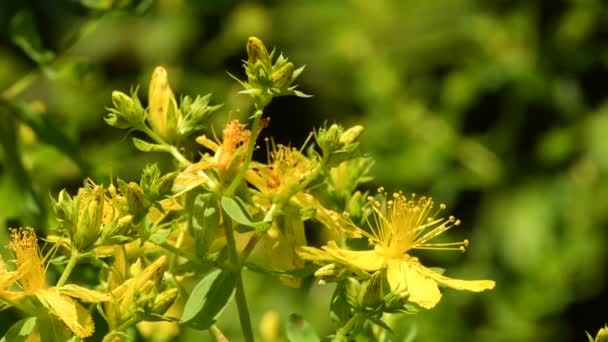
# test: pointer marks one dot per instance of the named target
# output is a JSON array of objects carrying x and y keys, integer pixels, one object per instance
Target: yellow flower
[
  {"x": 226, "y": 159},
  {"x": 400, "y": 225},
  {"x": 30, "y": 277}
]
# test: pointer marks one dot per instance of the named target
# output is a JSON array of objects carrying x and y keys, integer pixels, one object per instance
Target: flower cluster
[{"x": 173, "y": 246}]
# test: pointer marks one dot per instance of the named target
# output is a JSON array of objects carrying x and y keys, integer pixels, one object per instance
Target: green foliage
[{"x": 494, "y": 108}]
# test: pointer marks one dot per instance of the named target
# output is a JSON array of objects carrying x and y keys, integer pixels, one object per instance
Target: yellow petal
[
  {"x": 458, "y": 284},
  {"x": 85, "y": 294},
  {"x": 364, "y": 260},
  {"x": 423, "y": 290},
  {"x": 74, "y": 315}
]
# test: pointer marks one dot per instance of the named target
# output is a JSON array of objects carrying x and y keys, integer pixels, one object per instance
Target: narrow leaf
[
  {"x": 235, "y": 208},
  {"x": 204, "y": 223}
]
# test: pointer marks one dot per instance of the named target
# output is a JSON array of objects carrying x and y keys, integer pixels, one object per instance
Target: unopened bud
[
  {"x": 166, "y": 183},
  {"x": 351, "y": 134},
  {"x": 128, "y": 111},
  {"x": 163, "y": 301},
  {"x": 256, "y": 51},
  {"x": 329, "y": 138},
  {"x": 91, "y": 203},
  {"x": 602, "y": 335},
  {"x": 137, "y": 201},
  {"x": 283, "y": 77},
  {"x": 163, "y": 112},
  {"x": 371, "y": 294}
]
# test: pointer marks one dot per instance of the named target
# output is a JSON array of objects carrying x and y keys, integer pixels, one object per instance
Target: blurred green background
[{"x": 496, "y": 108}]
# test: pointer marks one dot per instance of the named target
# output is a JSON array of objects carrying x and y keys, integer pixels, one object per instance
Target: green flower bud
[
  {"x": 163, "y": 112},
  {"x": 350, "y": 135},
  {"x": 282, "y": 77},
  {"x": 119, "y": 227},
  {"x": 328, "y": 139},
  {"x": 137, "y": 201},
  {"x": 371, "y": 294},
  {"x": 165, "y": 184},
  {"x": 66, "y": 210},
  {"x": 128, "y": 111},
  {"x": 90, "y": 213}
]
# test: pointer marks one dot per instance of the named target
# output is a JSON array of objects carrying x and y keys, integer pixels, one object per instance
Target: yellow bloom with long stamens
[
  {"x": 30, "y": 277},
  {"x": 400, "y": 225}
]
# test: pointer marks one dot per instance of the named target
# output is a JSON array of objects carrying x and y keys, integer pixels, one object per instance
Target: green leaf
[
  {"x": 339, "y": 308},
  {"x": 24, "y": 33},
  {"x": 20, "y": 331},
  {"x": 236, "y": 209},
  {"x": 145, "y": 146},
  {"x": 299, "y": 330},
  {"x": 208, "y": 299},
  {"x": 204, "y": 223}
]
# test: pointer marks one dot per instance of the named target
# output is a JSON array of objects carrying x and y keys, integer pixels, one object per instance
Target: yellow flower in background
[
  {"x": 30, "y": 278},
  {"x": 400, "y": 225}
]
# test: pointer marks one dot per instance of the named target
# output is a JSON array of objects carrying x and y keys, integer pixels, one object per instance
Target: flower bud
[
  {"x": 115, "y": 228},
  {"x": 137, "y": 201},
  {"x": 91, "y": 207},
  {"x": 163, "y": 301},
  {"x": 329, "y": 138},
  {"x": 165, "y": 183},
  {"x": 256, "y": 51},
  {"x": 128, "y": 111},
  {"x": 350, "y": 135},
  {"x": 371, "y": 294},
  {"x": 282, "y": 77},
  {"x": 602, "y": 335},
  {"x": 163, "y": 112}
]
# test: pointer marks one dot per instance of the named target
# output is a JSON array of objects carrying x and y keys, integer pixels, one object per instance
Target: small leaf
[
  {"x": 235, "y": 208},
  {"x": 299, "y": 330},
  {"x": 204, "y": 223},
  {"x": 20, "y": 331},
  {"x": 208, "y": 299},
  {"x": 145, "y": 146}
]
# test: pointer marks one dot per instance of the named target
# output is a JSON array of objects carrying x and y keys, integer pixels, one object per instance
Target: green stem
[
  {"x": 255, "y": 131},
  {"x": 241, "y": 300},
  {"x": 74, "y": 256},
  {"x": 346, "y": 329},
  {"x": 169, "y": 148}
]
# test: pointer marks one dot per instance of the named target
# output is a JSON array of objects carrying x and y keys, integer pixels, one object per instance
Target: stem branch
[{"x": 74, "y": 256}]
